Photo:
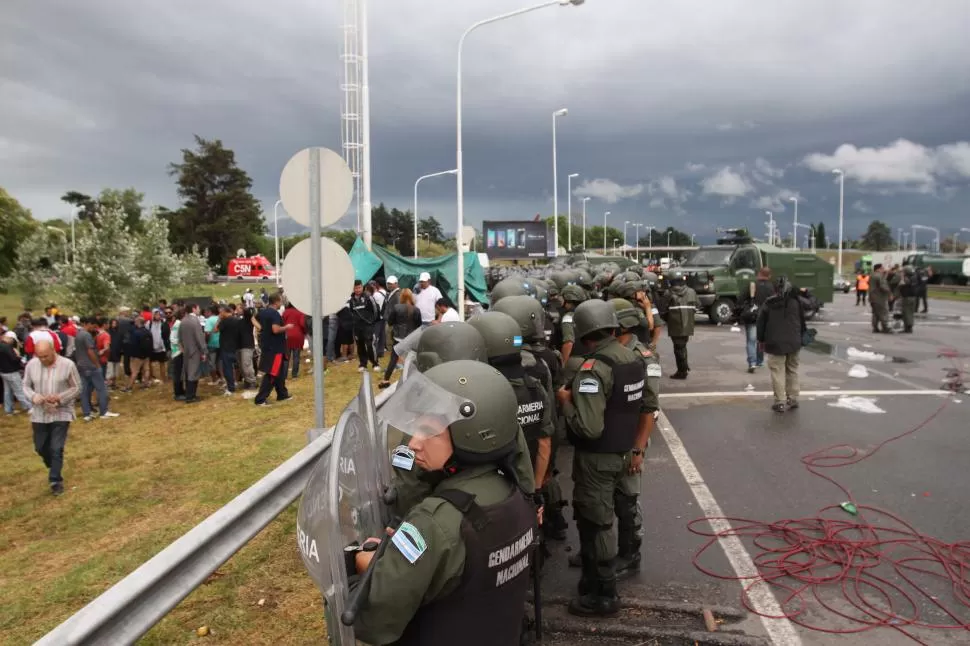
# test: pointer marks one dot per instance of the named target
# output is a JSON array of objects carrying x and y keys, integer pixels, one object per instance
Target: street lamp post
[
  {"x": 555, "y": 181},
  {"x": 625, "y": 238},
  {"x": 636, "y": 241},
  {"x": 838, "y": 171},
  {"x": 604, "y": 232},
  {"x": 771, "y": 227},
  {"x": 899, "y": 238},
  {"x": 614, "y": 246},
  {"x": 794, "y": 242},
  {"x": 668, "y": 240},
  {"x": 569, "y": 207},
  {"x": 458, "y": 151},
  {"x": 276, "y": 239},
  {"x": 956, "y": 237},
  {"x": 926, "y": 228},
  {"x": 453, "y": 171},
  {"x": 585, "y": 200}
]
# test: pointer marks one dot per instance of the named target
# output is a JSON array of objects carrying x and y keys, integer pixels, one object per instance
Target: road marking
[
  {"x": 807, "y": 393},
  {"x": 780, "y": 631}
]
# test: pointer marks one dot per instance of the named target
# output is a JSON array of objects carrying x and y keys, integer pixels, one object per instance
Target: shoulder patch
[
  {"x": 653, "y": 370},
  {"x": 567, "y": 318},
  {"x": 588, "y": 364},
  {"x": 409, "y": 542},
  {"x": 589, "y": 386}
]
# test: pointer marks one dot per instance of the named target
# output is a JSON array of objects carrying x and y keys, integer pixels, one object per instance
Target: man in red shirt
[
  {"x": 40, "y": 332},
  {"x": 295, "y": 336}
]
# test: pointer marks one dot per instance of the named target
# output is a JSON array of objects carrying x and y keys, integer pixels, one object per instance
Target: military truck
[
  {"x": 947, "y": 270},
  {"x": 721, "y": 273}
]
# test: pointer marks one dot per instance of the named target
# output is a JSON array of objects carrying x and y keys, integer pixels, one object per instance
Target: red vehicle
[{"x": 252, "y": 267}]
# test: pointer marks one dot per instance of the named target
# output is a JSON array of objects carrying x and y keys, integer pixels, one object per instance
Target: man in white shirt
[
  {"x": 446, "y": 312},
  {"x": 380, "y": 327},
  {"x": 426, "y": 299}
]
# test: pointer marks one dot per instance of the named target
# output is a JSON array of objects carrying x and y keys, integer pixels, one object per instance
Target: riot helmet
[
  {"x": 562, "y": 278},
  {"x": 501, "y": 333},
  {"x": 676, "y": 277},
  {"x": 449, "y": 342},
  {"x": 542, "y": 294},
  {"x": 594, "y": 315},
  {"x": 511, "y": 286},
  {"x": 573, "y": 294},
  {"x": 627, "y": 315},
  {"x": 627, "y": 289},
  {"x": 470, "y": 400},
  {"x": 528, "y": 313}
]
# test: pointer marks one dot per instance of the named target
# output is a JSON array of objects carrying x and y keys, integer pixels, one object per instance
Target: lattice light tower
[{"x": 355, "y": 109}]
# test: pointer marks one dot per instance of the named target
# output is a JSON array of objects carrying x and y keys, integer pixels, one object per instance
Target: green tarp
[{"x": 443, "y": 270}]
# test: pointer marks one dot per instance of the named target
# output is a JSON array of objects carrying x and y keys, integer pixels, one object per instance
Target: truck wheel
[{"x": 722, "y": 311}]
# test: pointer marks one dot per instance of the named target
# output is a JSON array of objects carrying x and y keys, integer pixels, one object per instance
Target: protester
[
  {"x": 161, "y": 346},
  {"x": 177, "y": 364},
  {"x": 427, "y": 297},
  {"x": 403, "y": 319},
  {"x": 89, "y": 370},
  {"x": 365, "y": 315},
  {"x": 380, "y": 326},
  {"x": 41, "y": 332},
  {"x": 139, "y": 349},
  {"x": 10, "y": 365},
  {"x": 229, "y": 337},
  {"x": 272, "y": 363},
  {"x": 51, "y": 383},
  {"x": 247, "y": 345},
  {"x": 192, "y": 341},
  {"x": 446, "y": 313},
  {"x": 295, "y": 337},
  {"x": 781, "y": 328}
]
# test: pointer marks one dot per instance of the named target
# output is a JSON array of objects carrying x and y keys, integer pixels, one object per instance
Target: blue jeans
[
  {"x": 755, "y": 356},
  {"x": 49, "y": 441},
  {"x": 228, "y": 362},
  {"x": 295, "y": 362},
  {"x": 13, "y": 390},
  {"x": 331, "y": 348},
  {"x": 93, "y": 380}
]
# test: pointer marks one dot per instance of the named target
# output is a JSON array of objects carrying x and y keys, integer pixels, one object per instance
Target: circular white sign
[
  {"x": 336, "y": 279},
  {"x": 335, "y": 181}
]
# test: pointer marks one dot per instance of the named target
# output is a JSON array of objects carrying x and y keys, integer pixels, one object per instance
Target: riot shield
[{"x": 341, "y": 507}]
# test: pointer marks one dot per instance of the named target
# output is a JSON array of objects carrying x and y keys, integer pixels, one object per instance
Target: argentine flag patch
[
  {"x": 517, "y": 341},
  {"x": 409, "y": 542}
]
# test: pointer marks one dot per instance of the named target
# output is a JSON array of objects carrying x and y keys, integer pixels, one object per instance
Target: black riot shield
[{"x": 341, "y": 507}]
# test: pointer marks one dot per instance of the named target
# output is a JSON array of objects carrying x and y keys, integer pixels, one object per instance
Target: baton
[
  {"x": 357, "y": 596},
  {"x": 537, "y": 589}
]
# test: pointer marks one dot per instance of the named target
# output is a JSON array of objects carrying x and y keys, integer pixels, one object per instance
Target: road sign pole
[{"x": 316, "y": 289}]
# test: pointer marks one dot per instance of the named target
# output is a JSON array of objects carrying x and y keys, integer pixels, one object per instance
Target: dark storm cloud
[{"x": 671, "y": 105}]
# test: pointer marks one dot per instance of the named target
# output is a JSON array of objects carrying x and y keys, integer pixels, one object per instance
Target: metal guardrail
[{"x": 130, "y": 608}]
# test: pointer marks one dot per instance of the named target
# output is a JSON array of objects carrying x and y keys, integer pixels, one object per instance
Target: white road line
[
  {"x": 780, "y": 631},
  {"x": 807, "y": 393}
]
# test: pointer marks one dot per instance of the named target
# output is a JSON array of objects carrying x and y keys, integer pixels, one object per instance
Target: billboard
[{"x": 517, "y": 239}]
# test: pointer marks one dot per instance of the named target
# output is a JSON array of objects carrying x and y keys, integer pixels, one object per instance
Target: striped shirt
[{"x": 61, "y": 379}]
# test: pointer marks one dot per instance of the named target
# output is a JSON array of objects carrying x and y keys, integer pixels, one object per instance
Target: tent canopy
[{"x": 443, "y": 270}]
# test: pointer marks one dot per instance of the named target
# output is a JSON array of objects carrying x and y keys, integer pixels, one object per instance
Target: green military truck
[
  {"x": 720, "y": 273},
  {"x": 946, "y": 270}
]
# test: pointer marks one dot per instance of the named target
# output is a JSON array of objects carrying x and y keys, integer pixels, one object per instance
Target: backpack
[{"x": 750, "y": 310}]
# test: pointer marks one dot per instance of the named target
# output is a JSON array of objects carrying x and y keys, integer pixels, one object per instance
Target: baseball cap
[
  {"x": 424, "y": 276},
  {"x": 9, "y": 335},
  {"x": 391, "y": 279}
]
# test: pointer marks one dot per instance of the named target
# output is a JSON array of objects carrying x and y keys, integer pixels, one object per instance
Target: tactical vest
[
  {"x": 642, "y": 333},
  {"x": 553, "y": 362},
  {"x": 487, "y": 607},
  {"x": 622, "y": 419},
  {"x": 532, "y": 409},
  {"x": 553, "y": 328}
]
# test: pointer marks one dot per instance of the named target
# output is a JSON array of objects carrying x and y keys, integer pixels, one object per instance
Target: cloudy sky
[{"x": 693, "y": 113}]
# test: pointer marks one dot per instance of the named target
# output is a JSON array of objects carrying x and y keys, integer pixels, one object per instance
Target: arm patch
[
  {"x": 409, "y": 542},
  {"x": 588, "y": 364}
]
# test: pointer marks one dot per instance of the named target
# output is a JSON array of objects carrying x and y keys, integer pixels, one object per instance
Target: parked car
[{"x": 842, "y": 284}]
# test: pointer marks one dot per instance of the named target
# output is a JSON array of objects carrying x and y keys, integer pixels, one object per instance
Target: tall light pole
[
  {"x": 569, "y": 207},
  {"x": 899, "y": 238},
  {"x": 458, "y": 152},
  {"x": 585, "y": 200},
  {"x": 365, "y": 127},
  {"x": 74, "y": 211},
  {"x": 604, "y": 232},
  {"x": 650, "y": 230},
  {"x": 838, "y": 171},
  {"x": 56, "y": 230},
  {"x": 453, "y": 171},
  {"x": 692, "y": 236},
  {"x": 771, "y": 227},
  {"x": 794, "y": 235},
  {"x": 555, "y": 180},
  {"x": 276, "y": 239},
  {"x": 926, "y": 228},
  {"x": 668, "y": 240},
  {"x": 624, "y": 234},
  {"x": 636, "y": 240}
]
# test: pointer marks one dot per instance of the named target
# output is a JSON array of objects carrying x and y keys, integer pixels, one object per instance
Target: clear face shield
[{"x": 423, "y": 409}]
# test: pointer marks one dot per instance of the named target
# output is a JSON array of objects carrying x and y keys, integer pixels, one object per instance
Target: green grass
[
  {"x": 138, "y": 482},
  {"x": 945, "y": 294}
]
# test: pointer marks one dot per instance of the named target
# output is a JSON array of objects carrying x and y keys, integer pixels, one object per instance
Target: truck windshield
[{"x": 709, "y": 257}]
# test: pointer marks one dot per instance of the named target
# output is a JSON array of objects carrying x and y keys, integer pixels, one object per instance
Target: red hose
[{"x": 800, "y": 559}]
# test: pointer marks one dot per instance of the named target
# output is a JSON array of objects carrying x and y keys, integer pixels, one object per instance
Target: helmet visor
[{"x": 420, "y": 407}]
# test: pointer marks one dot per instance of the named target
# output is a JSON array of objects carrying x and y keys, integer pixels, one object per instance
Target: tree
[
  {"x": 86, "y": 205},
  {"x": 156, "y": 269},
  {"x": 16, "y": 225},
  {"x": 393, "y": 228},
  {"x": 820, "y": 236},
  {"x": 878, "y": 237},
  {"x": 37, "y": 256},
  {"x": 101, "y": 275},
  {"x": 431, "y": 228},
  {"x": 195, "y": 267},
  {"x": 677, "y": 238},
  {"x": 128, "y": 200},
  {"x": 218, "y": 212}
]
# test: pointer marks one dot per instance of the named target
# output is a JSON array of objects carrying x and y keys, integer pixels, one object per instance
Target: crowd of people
[{"x": 894, "y": 292}]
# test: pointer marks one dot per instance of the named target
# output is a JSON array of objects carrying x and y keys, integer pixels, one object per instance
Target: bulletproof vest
[
  {"x": 909, "y": 287},
  {"x": 536, "y": 368},
  {"x": 642, "y": 333},
  {"x": 531, "y": 397},
  {"x": 622, "y": 418},
  {"x": 486, "y": 608},
  {"x": 552, "y": 361}
]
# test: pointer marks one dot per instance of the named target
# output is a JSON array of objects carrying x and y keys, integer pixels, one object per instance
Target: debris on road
[
  {"x": 864, "y": 355},
  {"x": 858, "y": 371},
  {"x": 858, "y": 404}
]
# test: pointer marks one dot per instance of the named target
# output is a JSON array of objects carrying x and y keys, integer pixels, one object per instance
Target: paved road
[{"x": 719, "y": 446}]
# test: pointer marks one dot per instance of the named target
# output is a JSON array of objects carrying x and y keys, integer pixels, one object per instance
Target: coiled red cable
[{"x": 882, "y": 565}]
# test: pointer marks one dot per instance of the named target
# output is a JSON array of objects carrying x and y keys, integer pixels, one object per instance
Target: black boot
[
  {"x": 627, "y": 561},
  {"x": 602, "y": 602},
  {"x": 554, "y": 524}
]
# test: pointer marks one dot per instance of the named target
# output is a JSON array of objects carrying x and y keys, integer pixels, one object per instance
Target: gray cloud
[{"x": 677, "y": 111}]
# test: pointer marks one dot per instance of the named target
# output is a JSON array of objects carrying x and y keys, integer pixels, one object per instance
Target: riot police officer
[
  {"x": 459, "y": 563},
  {"x": 681, "y": 305},
  {"x": 909, "y": 287},
  {"x": 503, "y": 342},
  {"x": 605, "y": 413},
  {"x": 572, "y": 296}
]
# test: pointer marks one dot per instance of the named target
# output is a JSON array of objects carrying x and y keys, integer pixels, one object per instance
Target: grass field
[
  {"x": 948, "y": 294},
  {"x": 136, "y": 483}
]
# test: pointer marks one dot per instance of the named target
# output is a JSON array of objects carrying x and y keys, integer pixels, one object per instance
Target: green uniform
[
  {"x": 680, "y": 324},
  {"x": 603, "y": 439},
  {"x": 908, "y": 292},
  {"x": 879, "y": 293},
  {"x": 408, "y": 578}
]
